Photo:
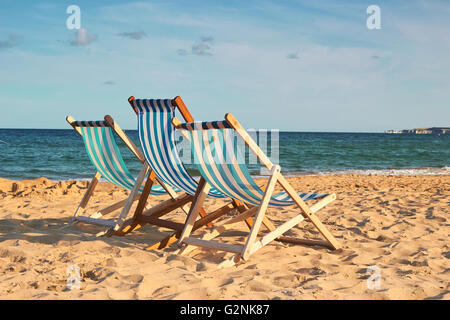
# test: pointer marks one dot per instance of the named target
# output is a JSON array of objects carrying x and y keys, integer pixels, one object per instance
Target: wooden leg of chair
[
  {"x": 144, "y": 195},
  {"x": 130, "y": 200},
  {"x": 113, "y": 207},
  {"x": 155, "y": 211},
  {"x": 276, "y": 233},
  {"x": 132, "y": 225},
  {"x": 308, "y": 213},
  {"x": 311, "y": 242},
  {"x": 89, "y": 192},
  {"x": 219, "y": 229},
  {"x": 197, "y": 203},
  {"x": 241, "y": 207},
  {"x": 246, "y": 251}
]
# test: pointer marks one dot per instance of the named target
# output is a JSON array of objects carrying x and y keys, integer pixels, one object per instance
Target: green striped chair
[
  {"x": 104, "y": 154},
  {"x": 222, "y": 166}
]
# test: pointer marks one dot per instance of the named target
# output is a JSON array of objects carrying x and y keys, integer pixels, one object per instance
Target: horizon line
[{"x": 246, "y": 129}]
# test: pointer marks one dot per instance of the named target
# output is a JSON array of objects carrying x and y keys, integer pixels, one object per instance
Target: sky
[{"x": 288, "y": 65}]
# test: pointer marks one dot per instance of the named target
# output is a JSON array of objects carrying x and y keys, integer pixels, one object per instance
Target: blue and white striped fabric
[
  {"x": 157, "y": 137},
  {"x": 104, "y": 154},
  {"x": 221, "y": 163}
]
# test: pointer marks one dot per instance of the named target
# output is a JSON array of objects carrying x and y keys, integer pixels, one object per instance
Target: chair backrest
[
  {"x": 219, "y": 158},
  {"x": 157, "y": 138},
  {"x": 219, "y": 155},
  {"x": 104, "y": 154}
]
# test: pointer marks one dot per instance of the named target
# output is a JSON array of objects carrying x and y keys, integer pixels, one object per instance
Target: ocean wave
[{"x": 426, "y": 171}]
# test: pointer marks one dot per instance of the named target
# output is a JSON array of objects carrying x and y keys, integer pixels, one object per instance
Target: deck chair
[
  {"x": 104, "y": 153},
  {"x": 214, "y": 145},
  {"x": 158, "y": 142}
]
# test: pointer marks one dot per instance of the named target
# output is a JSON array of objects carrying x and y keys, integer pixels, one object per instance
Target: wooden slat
[
  {"x": 167, "y": 206},
  {"x": 130, "y": 101},
  {"x": 294, "y": 195},
  {"x": 178, "y": 102},
  {"x": 90, "y": 190},
  {"x": 218, "y": 230},
  {"x": 100, "y": 222},
  {"x": 309, "y": 214},
  {"x": 276, "y": 233},
  {"x": 110, "y": 208},
  {"x": 144, "y": 195},
  {"x": 227, "y": 224},
  {"x": 261, "y": 212},
  {"x": 133, "y": 148},
  {"x": 214, "y": 245},
  {"x": 198, "y": 224},
  {"x": 242, "y": 216},
  {"x": 173, "y": 195},
  {"x": 322, "y": 203},
  {"x": 134, "y": 192},
  {"x": 162, "y": 223},
  {"x": 71, "y": 121},
  {"x": 232, "y": 121},
  {"x": 197, "y": 203},
  {"x": 212, "y": 216}
]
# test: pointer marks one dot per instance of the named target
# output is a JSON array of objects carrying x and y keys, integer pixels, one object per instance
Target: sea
[{"x": 60, "y": 154}]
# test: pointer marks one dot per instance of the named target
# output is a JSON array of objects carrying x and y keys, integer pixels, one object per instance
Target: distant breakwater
[{"x": 433, "y": 130}]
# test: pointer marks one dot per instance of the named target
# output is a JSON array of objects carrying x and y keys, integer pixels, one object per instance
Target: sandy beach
[{"x": 399, "y": 224}]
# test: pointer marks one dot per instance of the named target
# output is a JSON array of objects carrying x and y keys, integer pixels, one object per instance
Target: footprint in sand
[
  {"x": 184, "y": 262},
  {"x": 315, "y": 271},
  {"x": 288, "y": 280},
  {"x": 404, "y": 272},
  {"x": 258, "y": 286},
  {"x": 350, "y": 257}
]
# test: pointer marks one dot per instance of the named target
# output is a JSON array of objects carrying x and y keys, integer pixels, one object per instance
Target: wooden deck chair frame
[
  {"x": 152, "y": 215},
  {"x": 258, "y": 212},
  {"x": 125, "y": 204}
]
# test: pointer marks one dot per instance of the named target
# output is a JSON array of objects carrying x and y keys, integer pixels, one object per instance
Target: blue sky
[{"x": 289, "y": 65}]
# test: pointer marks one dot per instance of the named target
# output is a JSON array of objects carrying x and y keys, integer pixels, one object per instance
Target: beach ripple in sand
[{"x": 399, "y": 224}]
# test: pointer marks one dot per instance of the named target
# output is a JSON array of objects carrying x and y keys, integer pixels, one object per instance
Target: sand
[{"x": 396, "y": 226}]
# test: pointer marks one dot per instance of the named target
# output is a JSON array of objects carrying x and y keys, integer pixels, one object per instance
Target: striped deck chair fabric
[
  {"x": 104, "y": 153},
  {"x": 222, "y": 164},
  {"x": 157, "y": 138},
  {"x": 220, "y": 160}
]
